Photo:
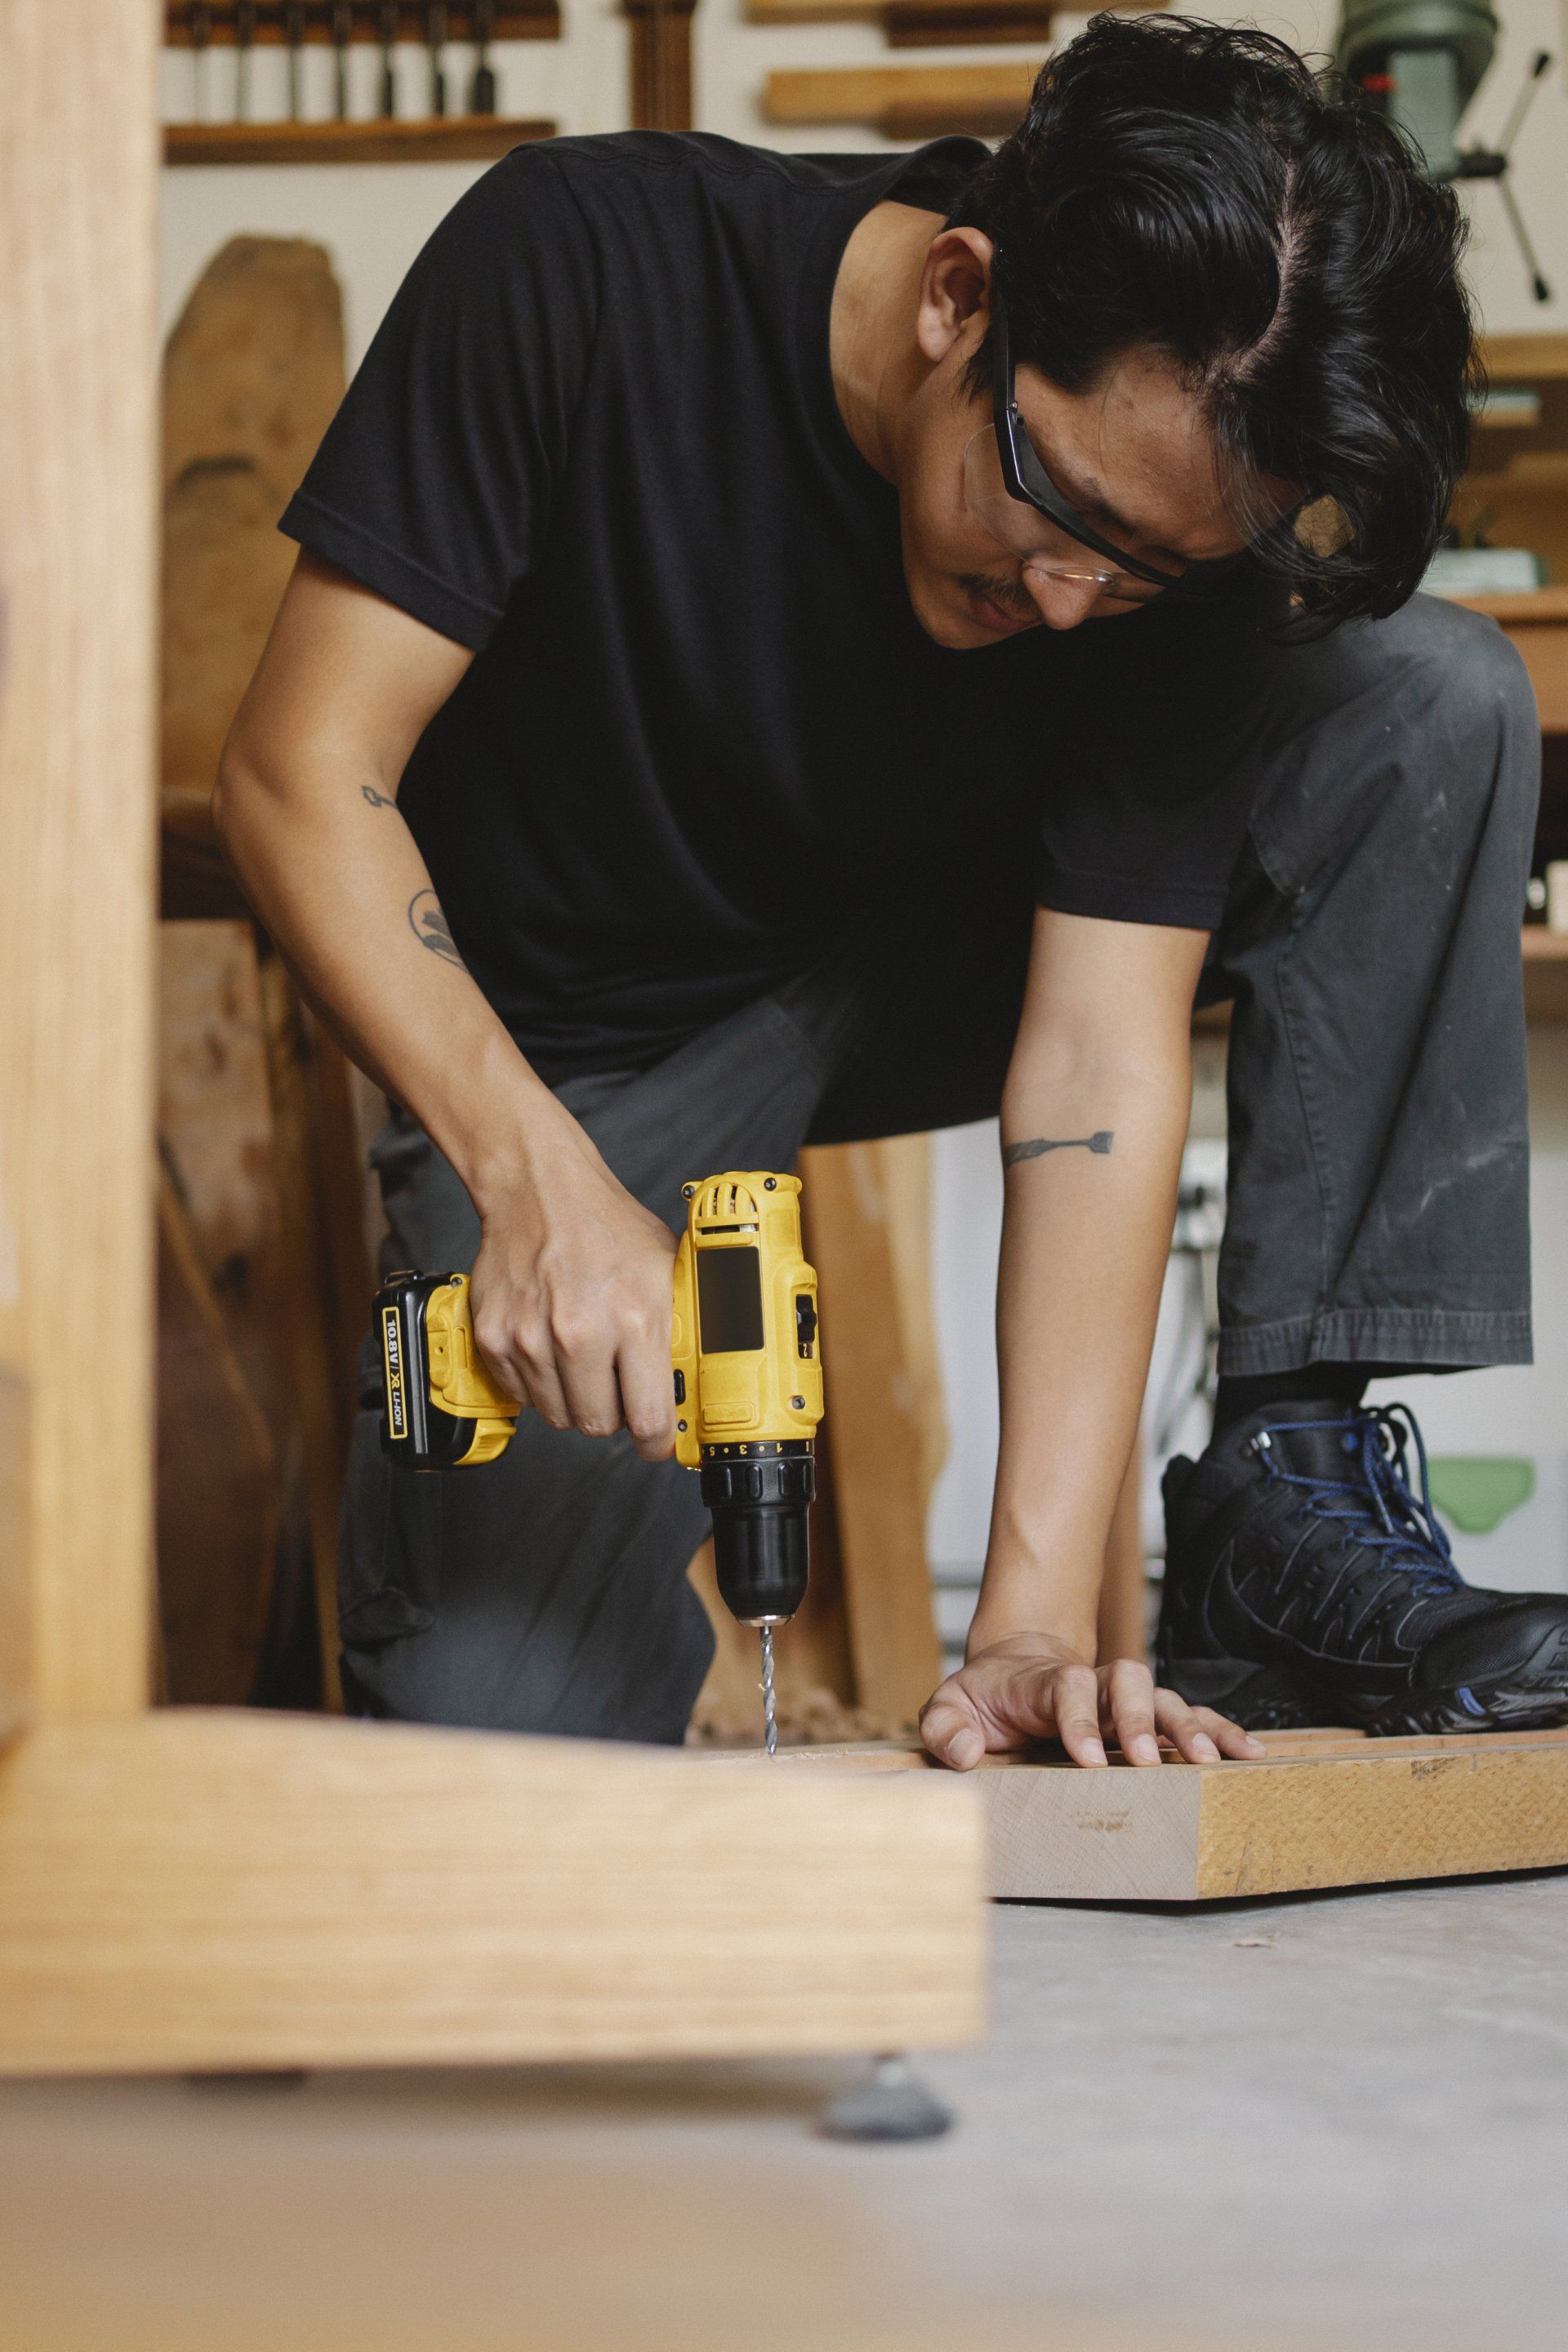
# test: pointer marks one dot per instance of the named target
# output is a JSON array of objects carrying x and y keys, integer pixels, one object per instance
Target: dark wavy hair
[{"x": 1201, "y": 191}]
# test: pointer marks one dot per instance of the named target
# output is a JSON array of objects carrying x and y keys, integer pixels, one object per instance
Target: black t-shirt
[{"x": 596, "y": 440}]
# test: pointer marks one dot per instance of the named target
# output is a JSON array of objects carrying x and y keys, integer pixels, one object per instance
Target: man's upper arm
[
  {"x": 1107, "y": 991},
  {"x": 434, "y": 481},
  {"x": 347, "y": 679}
]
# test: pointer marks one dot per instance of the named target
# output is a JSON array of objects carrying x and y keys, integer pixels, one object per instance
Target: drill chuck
[{"x": 759, "y": 1495}]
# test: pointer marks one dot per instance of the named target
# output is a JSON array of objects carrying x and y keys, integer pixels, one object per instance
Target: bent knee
[{"x": 1463, "y": 667}]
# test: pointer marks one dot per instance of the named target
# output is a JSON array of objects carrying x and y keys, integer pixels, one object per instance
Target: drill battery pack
[{"x": 442, "y": 1408}]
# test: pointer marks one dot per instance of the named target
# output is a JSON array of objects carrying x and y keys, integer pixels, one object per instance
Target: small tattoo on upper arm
[
  {"x": 1099, "y": 1143},
  {"x": 430, "y": 927},
  {"x": 377, "y": 800}
]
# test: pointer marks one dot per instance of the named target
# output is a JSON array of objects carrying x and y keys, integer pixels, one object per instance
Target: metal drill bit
[{"x": 769, "y": 1712}]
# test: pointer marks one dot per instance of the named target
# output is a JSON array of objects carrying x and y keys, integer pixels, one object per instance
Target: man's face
[{"x": 1132, "y": 457}]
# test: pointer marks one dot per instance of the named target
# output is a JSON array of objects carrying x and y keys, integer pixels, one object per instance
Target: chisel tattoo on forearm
[{"x": 1099, "y": 1143}]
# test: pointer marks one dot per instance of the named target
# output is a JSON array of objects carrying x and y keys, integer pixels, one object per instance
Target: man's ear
[{"x": 955, "y": 292}]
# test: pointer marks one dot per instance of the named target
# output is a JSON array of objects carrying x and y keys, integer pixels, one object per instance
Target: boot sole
[
  {"x": 1261, "y": 1698},
  {"x": 1473, "y": 1706}
]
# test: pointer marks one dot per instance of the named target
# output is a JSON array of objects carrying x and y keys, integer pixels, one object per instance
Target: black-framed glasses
[{"x": 1025, "y": 480}]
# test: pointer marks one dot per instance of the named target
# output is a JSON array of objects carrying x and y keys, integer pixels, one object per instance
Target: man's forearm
[
  {"x": 1092, "y": 1153},
  {"x": 337, "y": 878}
]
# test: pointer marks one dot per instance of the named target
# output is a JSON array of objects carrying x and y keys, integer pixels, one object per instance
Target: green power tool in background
[{"x": 1420, "y": 62}]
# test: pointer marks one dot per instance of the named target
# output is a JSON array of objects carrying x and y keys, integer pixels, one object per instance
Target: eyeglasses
[{"x": 1012, "y": 497}]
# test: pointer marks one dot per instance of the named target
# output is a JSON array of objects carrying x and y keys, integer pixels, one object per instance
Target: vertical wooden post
[
  {"x": 78, "y": 607},
  {"x": 661, "y": 64},
  {"x": 875, "y": 1440},
  {"x": 1124, "y": 1595}
]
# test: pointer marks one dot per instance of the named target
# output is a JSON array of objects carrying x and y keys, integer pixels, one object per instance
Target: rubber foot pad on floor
[{"x": 890, "y": 2103}]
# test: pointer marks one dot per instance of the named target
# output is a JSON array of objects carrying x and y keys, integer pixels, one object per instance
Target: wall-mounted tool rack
[
  {"x": 510, "y": 20},
  {"x": 456, "y": 36}
]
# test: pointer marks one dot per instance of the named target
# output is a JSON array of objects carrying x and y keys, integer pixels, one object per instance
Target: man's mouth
[{"x": 991, "y": 609}]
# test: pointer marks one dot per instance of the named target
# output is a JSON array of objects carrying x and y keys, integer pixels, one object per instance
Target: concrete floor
[{"x": 1334, "y": 2121}]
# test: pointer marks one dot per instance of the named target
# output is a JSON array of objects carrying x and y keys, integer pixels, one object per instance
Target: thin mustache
[{"x": 1005, "y": 595}]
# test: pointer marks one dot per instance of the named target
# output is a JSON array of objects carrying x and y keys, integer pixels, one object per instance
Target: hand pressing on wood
[{"x": 1029, "y": 1687}]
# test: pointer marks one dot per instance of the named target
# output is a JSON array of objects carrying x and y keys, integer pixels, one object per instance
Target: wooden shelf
[
  {"x": 928, "y": 24},
  {"x": 905, "y": 101},
  {"x": 1538, "y": 359},
  {"x": 454, "y": 139},
  {"x": 1537, "y": 622}
]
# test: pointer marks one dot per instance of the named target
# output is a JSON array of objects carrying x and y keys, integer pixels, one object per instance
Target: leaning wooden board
[{"x": 1326, "y": 1808}]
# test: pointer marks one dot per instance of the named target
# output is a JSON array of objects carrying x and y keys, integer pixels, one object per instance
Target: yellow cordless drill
[{"x": 747, "y": 1365}]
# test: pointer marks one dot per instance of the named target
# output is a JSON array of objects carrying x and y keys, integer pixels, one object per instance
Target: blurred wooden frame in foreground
[{"x": 183, "y": 1889}]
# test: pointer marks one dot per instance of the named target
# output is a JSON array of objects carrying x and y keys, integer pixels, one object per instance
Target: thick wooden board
[
  {"x": 232, "y": 1890},
  {"x": 874, "y": 1434},
  {"x": 911, "y": 101},
  {"x": 926, "y": 24},
  {"x": 1327, "y": 1808},
  {"x": 253, "y": 373},
  {"x": 77, "y": 591},
  {"x": 218, "y": 1484}
]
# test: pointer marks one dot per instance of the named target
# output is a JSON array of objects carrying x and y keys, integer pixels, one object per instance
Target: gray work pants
[{"x": 1378, "y": 1206}]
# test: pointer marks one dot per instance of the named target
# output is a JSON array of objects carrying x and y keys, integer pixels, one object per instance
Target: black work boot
[{"x": 1306, "y": 1583}]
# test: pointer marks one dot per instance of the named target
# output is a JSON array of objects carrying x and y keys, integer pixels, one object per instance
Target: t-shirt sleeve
[
  {"x": 433, "y": 485},
  {"x": 1155, "y": 762}
]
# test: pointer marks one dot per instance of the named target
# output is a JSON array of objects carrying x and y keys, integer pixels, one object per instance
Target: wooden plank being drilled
[
  {"x": 1324, "y": 1809},
  {"x": 218, "y": 1890}
]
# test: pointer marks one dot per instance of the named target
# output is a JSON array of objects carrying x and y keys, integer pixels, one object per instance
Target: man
[{"x": 796, "y": 648}]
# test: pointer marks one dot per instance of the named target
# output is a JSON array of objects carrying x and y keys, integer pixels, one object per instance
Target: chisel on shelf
[
  {"x": 386, "y": 20},
  {"x": 436, "y": 41},
  {"x": 244, "y": 42},
  {"x": 341, "y": 28},
  {"x": 482, "y": 90},
  {"x": 294, "y": 35}
]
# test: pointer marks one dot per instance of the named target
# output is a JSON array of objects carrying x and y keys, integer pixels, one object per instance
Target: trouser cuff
[{"x": 1366, "y": 1335}]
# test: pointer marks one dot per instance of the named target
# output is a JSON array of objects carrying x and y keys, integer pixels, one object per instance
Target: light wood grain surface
[
  {"x": 196, "y": 1889},
  {"x": 77, "y": 591},
  {"x": 873, "y": 93},
  {"x": 877, "y": 1432},
  {"x": 1327, "y": 1808}
]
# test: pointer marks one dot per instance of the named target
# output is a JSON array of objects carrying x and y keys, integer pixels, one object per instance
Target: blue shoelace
[{"x": 1376, "y": 1500}]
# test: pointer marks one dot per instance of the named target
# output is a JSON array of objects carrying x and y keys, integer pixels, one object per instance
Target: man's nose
[{"x": 1061, "y": 601}]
